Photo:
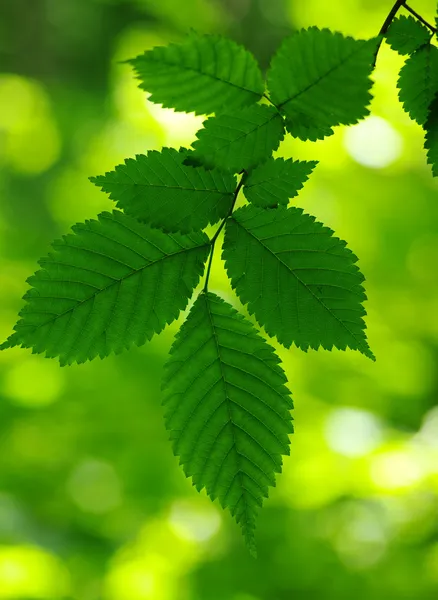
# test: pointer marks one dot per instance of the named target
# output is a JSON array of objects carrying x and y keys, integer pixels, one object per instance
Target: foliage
[
  {"x": 406, "y": 35},
  {"x": 275, "y": 181},
  {"x": 307, "y": 74},
  {"x": 118, "y": 280},
  {"x": 227, "y": 408},
  {"x": 301, "y": 283}
]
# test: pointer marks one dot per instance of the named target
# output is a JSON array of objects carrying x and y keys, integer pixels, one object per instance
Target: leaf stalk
[{"x": 221, "y": 226}]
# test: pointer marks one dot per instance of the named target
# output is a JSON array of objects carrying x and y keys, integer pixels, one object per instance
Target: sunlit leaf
[
  {"x": 406, "y": 34},
  {"x": 320, "y": 79},
  {"x": 158, "y": 188},
  {"x": 431, "y": 143},
  {"x": 300, "y": 282},
  {"x": 274, "y": 182},
  {"x": 202, "y": 74},
  {"x": 227, "y": 408},
  {"x": 240, "y": 140},
  {"x": 418, "y": 82},
  {"x": 112, "y": 283}
]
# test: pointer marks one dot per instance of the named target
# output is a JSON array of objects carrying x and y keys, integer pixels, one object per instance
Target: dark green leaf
[
  {"x": 299, "y": 281},
  {"x": 275, "y": 181},
  {"x": 418, "y": 82},
  {"x": 161, "y": 190},
  {"x": 227, "y": 408},
  {"x": 241, "y": 140},
  {"x": 320, "y": 79},
  {"x": 431, "y": 143},
  {"x": 406, "y": 34},
  {"x": 112, "y": 283},
  {"x": 203, "y": 74}
]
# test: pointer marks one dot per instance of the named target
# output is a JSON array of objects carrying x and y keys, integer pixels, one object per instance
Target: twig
[
  {"x": 390, "y": 17},
  {"x": 383, "y": 30},
  {"x": 420, "y": 18},
  {"x": 221, "y": 226}
]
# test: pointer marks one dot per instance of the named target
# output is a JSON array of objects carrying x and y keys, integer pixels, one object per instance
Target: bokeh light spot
[
  {"x": 352, "y": 432},
  {"x": 397, "y": 470},
  {"x": 95, "y": 487},
  {"x": 27, "y": 571},
  {"x": 192, "y": 522},
  {"x": 373, "y": 143},
  {"x": 180, "y": 128},
  {"x": 32, "y": 142},
  {"x": 35, "y": 382}
]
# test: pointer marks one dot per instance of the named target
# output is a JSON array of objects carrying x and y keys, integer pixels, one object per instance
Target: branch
[
  {"x": 390, "y": 17},
  {"x": 420, "y": 18},
  {"x": 216, "y": 235}
]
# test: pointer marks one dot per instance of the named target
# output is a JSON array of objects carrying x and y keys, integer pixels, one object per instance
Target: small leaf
[
  {"x": 406, "y": 34},
  {"x": 418, "y": 82},
  {"x": 320, "y": 79},
  {"x": 275, "y": 181},
  {"x": 203, "y": 74},
  {"x": 240, "y": 140},
  {"x": 431, "y": 143},
  {"x": 227, "y": 408},
  {"x": 299, "y": 281},
  {"x": 112, "y": 283},
  {"x": 161, "y": 190}
]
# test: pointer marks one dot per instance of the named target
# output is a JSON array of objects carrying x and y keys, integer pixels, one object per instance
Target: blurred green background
[{"x": 93, "y": 505}]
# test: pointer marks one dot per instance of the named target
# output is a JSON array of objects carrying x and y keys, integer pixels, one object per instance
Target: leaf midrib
[
  {"x": 228, "y": 401},
  {"x": 323, "y": 76},
  {"x": 115, "y": 282},
  {"x": 214, "y": 77},
  {"x": 359, "y": 341},
  {"x": 244, "y": 134}
]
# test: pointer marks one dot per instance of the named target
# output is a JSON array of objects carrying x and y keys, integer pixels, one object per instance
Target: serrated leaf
[
  {"x": 203, "y": 74},
  {"x": 431, "y": 143},
  {"x": 320, "y": 79},
  {"x": 406, "y": 34},
  {"x": 274, "y": 182},
  {"x": 114, "y": 282},
  {"x": 300, "y": 282},
  {"x": 227, "y": 408},
  {"x": 418, "y": 82},
  {"x": 241, "y": 140},
  {"x": 158, "y": 188}
]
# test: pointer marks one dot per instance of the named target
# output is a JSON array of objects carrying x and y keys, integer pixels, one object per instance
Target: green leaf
[
  {"x": 418, "y": 82},
  {"x": 227, "y": 408},
  {"x": 275, "y": 181},
  {"x": 299, "y": 281},
  {"x": 203, "y": 74},
  {"x": 406, "y": 34},
  {"x": 320, "y": 79},
  {"x": 112, "y": 283},
  {"x": 159, "y": 189},
  {"x": 431, "y": 143},
  {"x": 241, "y": 140}
]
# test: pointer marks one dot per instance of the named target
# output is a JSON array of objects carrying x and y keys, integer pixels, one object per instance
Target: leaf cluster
[
  {"x": 418, "y": 79},
  {"x": 118, "y": 280}
]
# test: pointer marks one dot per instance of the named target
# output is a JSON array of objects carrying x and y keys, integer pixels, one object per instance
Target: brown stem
[
  {"x": 420, "y": 18},
  {"x": 390, "y": 17}
]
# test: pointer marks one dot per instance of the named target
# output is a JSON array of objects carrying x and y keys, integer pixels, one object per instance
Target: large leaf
[
  {"x": 241, "y": 140},
  {"x": 431, "y": 143},
  {"x": 112, "y": 283},
  {"x": 406, "y": 34},
  {"x": 320, "y": 79},
  {"x": 203, "y": 74},
  {"x": 161, "y": 190},
  {"x": 275, "y": 181},
  {"x": 299, "y": 281},
  {"x": 418, "y": 82},
  {"x": 227, "y": 408}
]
